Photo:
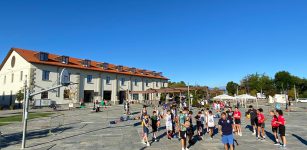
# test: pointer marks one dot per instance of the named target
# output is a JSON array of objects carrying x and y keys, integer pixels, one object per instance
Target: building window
[
  {"x": 43, "y": 56},
  {"x": 21, "y": 75},
  {"x": 44, "y": 95},
  {"x": 136, "y": 82},
  {"x": 87, "y": 63},
  {"x": 157, "y": 84},
  {"x": 45, "y": 76},
  {"x": 122, "y": 81},
  {"x": 163, "y": 84},
  {"x": 4, "y": 80},
  {"x": 108, "y": 80},
  {"x": 65, "y": 59},
  {"x": 89, "y": 78},
  {"x": 66, "y": 94},
  {"x": 147, "y": 83},
  {"x": 12, "y": 78},
  {"x": 135, "y": 96}
]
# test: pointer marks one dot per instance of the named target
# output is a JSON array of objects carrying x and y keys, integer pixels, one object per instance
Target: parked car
[{"x": 302, "y": 100}]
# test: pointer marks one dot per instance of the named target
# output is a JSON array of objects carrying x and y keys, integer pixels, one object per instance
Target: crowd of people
[
  {"x": 278, "y": 122},
  {"x": 179, "y": 124}
]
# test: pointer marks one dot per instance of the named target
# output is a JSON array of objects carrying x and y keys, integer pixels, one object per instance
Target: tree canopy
[{"x": 283, "y": 82}]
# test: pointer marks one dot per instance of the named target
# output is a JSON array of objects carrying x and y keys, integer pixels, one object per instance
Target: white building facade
[{"x": 94, "y": 80}]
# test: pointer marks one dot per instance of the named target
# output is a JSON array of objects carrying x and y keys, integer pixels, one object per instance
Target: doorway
[
  {"x": 107, "y": 95},
  {"x": 122, "y": 97},
  {"x": 88, "y": 96}
]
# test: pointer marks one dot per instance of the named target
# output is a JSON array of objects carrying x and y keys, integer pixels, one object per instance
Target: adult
[{"x": 225, "y": 129}]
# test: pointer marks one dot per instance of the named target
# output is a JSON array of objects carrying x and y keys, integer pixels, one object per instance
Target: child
[
  {"x": 225, "y": 129},
  {"x": 169, "y": 124},
  {"x": 237, "y": 117},
  {"x": 146, "y": 129},
  {"x": 252, "y": 115},
  {"x": 203, "y": 120},
  {"x": 190, "y": 131},
  {"x": 211, "y": 124},
  {"x": 199, "y": 125},
  {"x": 260, "y": 124},
  {"x": 158, "y": 117},
  {"x": 282, "y": 128},
  {"x": 184, "y": 124},
  {"x": 154, "y": 125},
  {"x": 275, "y": 126}
]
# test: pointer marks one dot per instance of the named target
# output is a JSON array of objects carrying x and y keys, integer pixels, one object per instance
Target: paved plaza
[{"x": 81, "y": 129}]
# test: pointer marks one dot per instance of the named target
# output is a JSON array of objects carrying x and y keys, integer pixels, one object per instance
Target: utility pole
[{"x": 189, "y": 95}]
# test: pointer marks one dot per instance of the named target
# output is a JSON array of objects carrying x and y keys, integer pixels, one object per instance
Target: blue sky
[{"x": 208, "y": 42}]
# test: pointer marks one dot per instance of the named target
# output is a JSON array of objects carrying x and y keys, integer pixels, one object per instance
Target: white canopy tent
[
  {"x": 246, "y": 97},
  {"x": 224, "y": 97}
]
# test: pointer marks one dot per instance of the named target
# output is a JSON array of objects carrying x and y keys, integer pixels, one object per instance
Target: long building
[{"x": 95, "y": 80}]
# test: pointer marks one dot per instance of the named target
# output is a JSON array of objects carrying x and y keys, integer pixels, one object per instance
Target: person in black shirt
[{"x": 253, "y": 118}]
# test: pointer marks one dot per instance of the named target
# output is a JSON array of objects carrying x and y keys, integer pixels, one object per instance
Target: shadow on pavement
[
  {"x": 16, "y": 138},
  {"x": 75, "y": 135},
  {"x": 300, "y": 139},
  {"x": 249, "y": 127},
  {"x": 270, "y": 135}
]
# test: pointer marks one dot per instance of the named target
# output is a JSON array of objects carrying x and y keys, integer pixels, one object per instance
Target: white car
[{"x": 302, "y": 100}]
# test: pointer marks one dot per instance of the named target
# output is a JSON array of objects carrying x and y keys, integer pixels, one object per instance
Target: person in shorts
[
  {"x": 211, "y": 124},
  {"x": 282, "y": 128},
  {"x": 252, "y": 113},
  {"x": 168, "y": 124},
  {"x": 184, "y": 124},
  {"x": 146, "y": 130},
  {"x": 226, "y": 130},
  {"x": 261, "y": 124},
  {"x": 190, "y": 131},
  {"x": 237, "y": 118},
  {"x": 199, "y": 125},
  {"x": 154, "y": 125},
  {"x": 275, "y": 126}
]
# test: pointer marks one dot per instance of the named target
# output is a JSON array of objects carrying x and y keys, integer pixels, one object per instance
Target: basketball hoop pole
[
  {"x": 25, "y": 120},
  {"x": 64, "y": 82}
]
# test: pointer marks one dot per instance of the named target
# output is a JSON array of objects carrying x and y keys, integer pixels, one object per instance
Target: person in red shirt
[
  {"x": 275, "y": 126},
  {"x": 261, "y": 124},
  {"x": 282, "y": 128},
  {"x": 237, "y": 117}
]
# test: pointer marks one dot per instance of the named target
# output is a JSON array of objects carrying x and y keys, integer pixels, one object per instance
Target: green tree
[
  {"x": 19, "y": 97},
  {"x": 177, "y": 84},
  {"x": 283, "y": 80},
  {"x": 232, "y": 87}
]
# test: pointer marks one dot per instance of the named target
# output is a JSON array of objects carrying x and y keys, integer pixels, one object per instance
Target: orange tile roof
[{"x": 32, "y": 57}]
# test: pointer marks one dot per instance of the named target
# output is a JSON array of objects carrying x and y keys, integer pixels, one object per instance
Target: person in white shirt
[
  {"x": 211, "y": 124},
  {"x": 169, "y": 124},
  {"x": 203, "y": 120}
]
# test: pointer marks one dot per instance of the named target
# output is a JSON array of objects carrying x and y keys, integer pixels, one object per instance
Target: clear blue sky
[{"x": 208, "y": 42}]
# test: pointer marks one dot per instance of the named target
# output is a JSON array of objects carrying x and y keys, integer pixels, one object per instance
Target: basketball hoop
[{"x": 64, "y": 77}]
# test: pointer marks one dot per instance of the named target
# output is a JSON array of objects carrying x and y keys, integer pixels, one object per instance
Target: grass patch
[{"x": 18, "y": 118}]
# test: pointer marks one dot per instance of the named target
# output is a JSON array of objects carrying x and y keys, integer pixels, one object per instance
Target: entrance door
[
  {"x": 88, "y": 96},
  {"x": 107, "y": 95},
  {"x": 122, "y": 97}
]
